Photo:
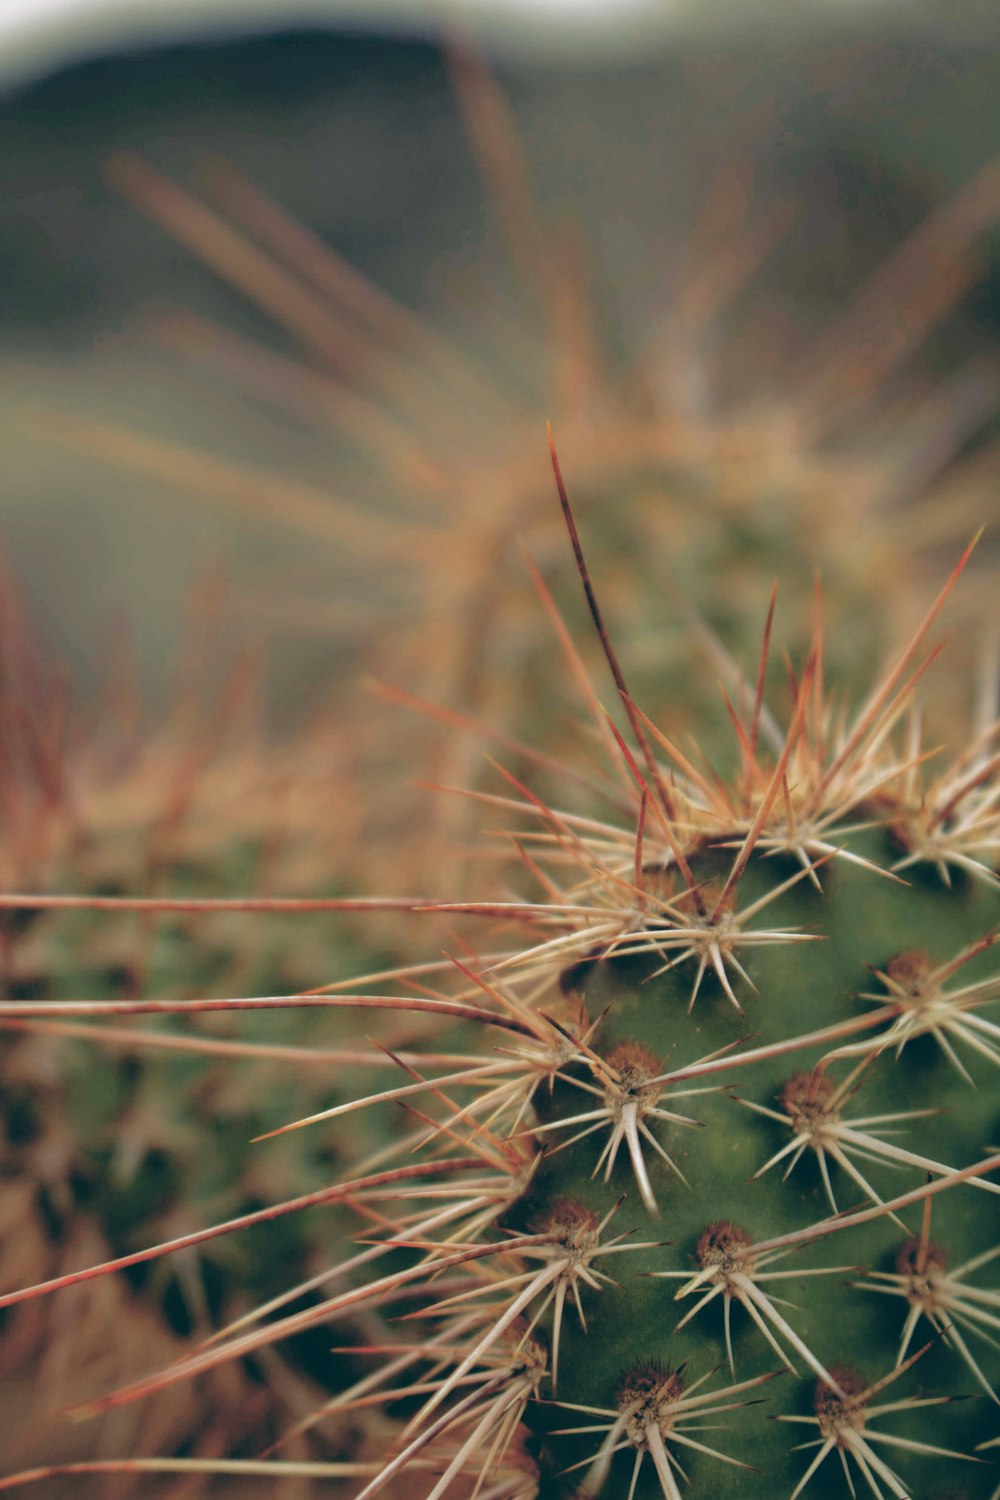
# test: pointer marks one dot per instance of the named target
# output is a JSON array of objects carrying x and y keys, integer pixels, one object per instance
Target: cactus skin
[
  {"x": 748, "y": 926},
  {"x": 800, "y": 988}
]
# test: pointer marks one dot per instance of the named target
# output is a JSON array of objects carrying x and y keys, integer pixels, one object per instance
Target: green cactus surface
[{"x": 856, "y": 1130}]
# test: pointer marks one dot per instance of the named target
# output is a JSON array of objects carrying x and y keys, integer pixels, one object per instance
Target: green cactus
[
  {"x": 699, "y": 1200},
  {"x": 104, "y": 1146}
]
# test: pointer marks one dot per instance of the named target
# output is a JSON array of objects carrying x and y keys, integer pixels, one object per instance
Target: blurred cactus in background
[{"x": 184, "y": 830}]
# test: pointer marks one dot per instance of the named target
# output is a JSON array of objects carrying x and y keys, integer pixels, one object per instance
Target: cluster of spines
[{"x": 662, "y": 884}]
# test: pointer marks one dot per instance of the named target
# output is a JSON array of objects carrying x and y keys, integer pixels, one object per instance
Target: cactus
[
  {"x": 104, "y": 1147},
  {"x": 583, "y": 1036},
  {"x": 700, "y": 1200}
]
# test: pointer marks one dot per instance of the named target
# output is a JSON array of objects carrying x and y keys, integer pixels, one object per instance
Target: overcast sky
[{"x": 36, "y": 35}]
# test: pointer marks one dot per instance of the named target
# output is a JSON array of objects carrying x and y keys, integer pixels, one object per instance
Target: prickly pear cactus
[{"x": 700, "y": 1199}]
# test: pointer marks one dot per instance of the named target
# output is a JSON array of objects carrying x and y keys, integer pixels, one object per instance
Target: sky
[{"x": 36, "y": 35}]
